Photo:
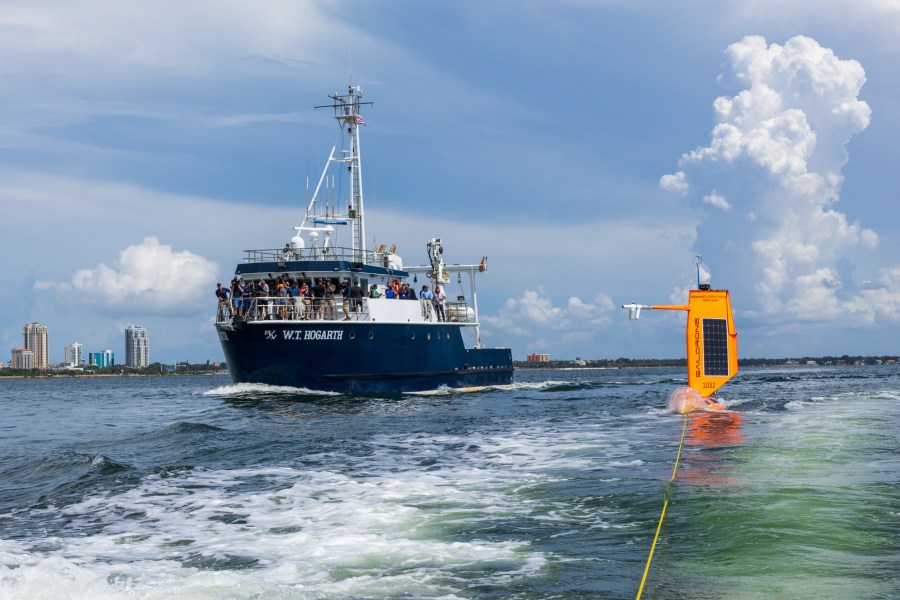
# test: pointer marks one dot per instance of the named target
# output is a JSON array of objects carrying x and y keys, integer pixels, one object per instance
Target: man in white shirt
[{"x": 440, "y": 298}]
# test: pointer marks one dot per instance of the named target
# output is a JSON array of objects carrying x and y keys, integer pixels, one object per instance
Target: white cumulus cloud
[
  {"x": 533, "y": 314},
  {"x": 777, "y": 153},
  {"x": 717, "y": 201},
  {"x": 147, "y": 278},
  {"x": 676, "y": 183}
]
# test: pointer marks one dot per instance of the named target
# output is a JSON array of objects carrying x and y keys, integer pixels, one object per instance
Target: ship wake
[{"x": 257, "y": 390}]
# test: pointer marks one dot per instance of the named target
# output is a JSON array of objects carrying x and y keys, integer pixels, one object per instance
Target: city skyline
[{"x": 35, "y": 338}]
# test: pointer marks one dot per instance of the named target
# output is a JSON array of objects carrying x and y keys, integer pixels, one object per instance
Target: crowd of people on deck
[{"x": 299, "y": 298}]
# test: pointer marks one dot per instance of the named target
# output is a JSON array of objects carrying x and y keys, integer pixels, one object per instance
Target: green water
[{"x": 805, "y": 505}]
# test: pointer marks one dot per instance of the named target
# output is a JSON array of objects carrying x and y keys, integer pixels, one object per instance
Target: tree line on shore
[
  {"x": 186, "y": 368},
  {"x": 182, "y": 368},
  {"x": 623, "y": 363}
]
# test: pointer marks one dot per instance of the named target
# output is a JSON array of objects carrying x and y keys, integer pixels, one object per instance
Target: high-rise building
[
  {"x": 22, "y": 358},
  {"x": 137, "y": 346},
  {"x": 34, "y": 337},
  {"x": 72, "y": 354},
  {"x": 102, "y": 359}
]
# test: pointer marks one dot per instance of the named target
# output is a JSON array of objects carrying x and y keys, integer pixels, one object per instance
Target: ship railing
[
  {"x": 280, "y": 308},
  {"x": 283, "y": 255}
]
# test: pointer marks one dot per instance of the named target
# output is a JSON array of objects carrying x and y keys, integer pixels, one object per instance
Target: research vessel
[{"x": 366, "y": 335}]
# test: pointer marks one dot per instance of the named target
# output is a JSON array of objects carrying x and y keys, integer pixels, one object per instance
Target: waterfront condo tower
[
  {"x": 22, "y": 358},
  {"x": 137, "y": 346},
  {"x": 34, "y": 337},
  {"x": 102, "y": 359},
  {"x": 72, "y": 354}
]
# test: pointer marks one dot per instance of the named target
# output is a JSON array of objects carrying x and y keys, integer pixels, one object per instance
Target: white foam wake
[
  {"x": 372, "y": 524},
  {"x": 257, "y": 389}
]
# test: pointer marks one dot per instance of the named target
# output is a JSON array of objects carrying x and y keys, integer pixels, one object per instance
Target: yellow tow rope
[{"x": 663, "y": 513}]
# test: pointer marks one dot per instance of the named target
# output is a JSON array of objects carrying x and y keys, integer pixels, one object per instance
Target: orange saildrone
[{"x": 712, "y": 357}]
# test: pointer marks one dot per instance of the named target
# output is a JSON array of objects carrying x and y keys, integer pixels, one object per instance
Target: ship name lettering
[
  {"x": 697, "y": 347},
  {"x": 319, "y": 334},
  {"x": 313, "y": 334}
]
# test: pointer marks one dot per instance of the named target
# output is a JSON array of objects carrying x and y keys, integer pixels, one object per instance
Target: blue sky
[{"x": 589, "y": 149}]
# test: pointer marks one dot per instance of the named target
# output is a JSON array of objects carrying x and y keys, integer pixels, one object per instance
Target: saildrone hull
[{"x": 685, "y": 400}]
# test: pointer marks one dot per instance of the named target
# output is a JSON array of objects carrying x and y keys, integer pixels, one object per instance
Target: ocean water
[{"x": 191, "y": 487}]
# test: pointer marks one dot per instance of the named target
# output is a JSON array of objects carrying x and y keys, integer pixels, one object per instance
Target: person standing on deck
[
  {"x": 282, "y": 293},
  {"x": 237, "y": 293},
  {"x": 328, "y": 309},
  {"x": 345, "y": 295},
  {"x": 356, "y": 296},
  {"x": 426, "y": 298},
  {"x": 296, "y": 300},
  {"x": 306, "y": 294},
  {"x": 248, "y": 298},
  {"x": 318, "y": 290},
  {"x": 222, "y": 295},
  {"x": 263, "y": 291},
  {"x": 440, "y": 298}
]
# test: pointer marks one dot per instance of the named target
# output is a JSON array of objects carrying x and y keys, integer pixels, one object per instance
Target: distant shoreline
[
  {"x": 523, "y": 366},
  {"x": 645, "y": 363},
  {"x": 772, "y": 364},
  {"x": 108, "y": 375}
]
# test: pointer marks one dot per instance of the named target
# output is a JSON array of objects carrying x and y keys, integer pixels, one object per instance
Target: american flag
[{"x": 359, "y": 120}]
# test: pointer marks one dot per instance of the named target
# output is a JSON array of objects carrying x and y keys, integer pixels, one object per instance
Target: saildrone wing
[{"x": 711, "y": 341}]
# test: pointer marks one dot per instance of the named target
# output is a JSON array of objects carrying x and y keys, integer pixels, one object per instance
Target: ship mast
[{"x": 318, "y": 212}]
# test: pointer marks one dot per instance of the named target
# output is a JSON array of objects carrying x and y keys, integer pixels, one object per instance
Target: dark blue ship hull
[{"x": 360, "y": 357}]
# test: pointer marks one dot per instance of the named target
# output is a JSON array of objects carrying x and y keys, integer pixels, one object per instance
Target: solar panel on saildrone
[{"x": 715, "y": 347}]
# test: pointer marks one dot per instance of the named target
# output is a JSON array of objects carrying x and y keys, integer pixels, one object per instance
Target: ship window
[
  {"x": 429, "y": 335},
  {"x": 448, "y": 335},
  {"x": 412, "y": 336},
  {"x": 352, "y": 335},
  {"x": 371, "y": 335}
]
